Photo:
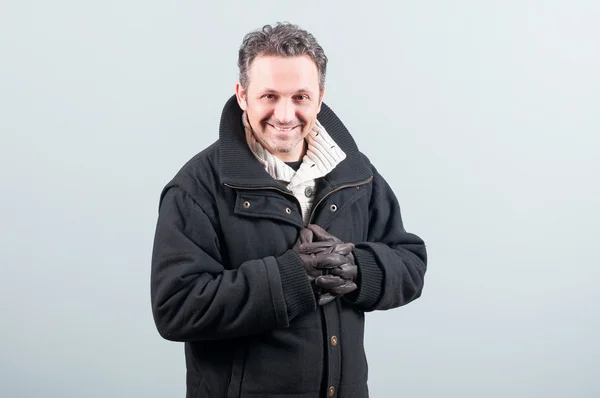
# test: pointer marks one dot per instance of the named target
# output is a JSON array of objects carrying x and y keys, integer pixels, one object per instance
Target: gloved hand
[
  {"x": 325, "y": 243},
  {"x": 316, "y": 257}
]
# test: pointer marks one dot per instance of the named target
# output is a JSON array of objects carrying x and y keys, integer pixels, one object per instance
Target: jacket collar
[{"x": 239, "y": 167}]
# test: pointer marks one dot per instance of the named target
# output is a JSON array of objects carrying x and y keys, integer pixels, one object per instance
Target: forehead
[{"x": 283, "y": 73}]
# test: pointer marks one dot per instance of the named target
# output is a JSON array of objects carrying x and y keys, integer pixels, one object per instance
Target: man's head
[{"x": 281, "y": 86}]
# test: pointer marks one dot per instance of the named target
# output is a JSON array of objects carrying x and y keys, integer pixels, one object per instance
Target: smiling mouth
[{"x": 283, "y": 128}]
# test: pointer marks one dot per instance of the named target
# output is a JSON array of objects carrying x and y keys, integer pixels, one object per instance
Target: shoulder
[{"x": 198, "y": 177}]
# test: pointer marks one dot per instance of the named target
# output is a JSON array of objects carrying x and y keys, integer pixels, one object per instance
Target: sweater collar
[
  {"x": 322, "y": 156},
  {"x": 240, "y": 167}
]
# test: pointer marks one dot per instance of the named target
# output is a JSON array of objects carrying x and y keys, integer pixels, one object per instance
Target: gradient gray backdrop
[{"x": 482, "y": 115}]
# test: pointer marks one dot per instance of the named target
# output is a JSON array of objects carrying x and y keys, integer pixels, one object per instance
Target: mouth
[{"x": 283, "y": 129}]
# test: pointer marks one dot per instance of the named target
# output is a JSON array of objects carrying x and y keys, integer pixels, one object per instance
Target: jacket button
[
  {"x": 333, "y": 207},
  {"x": 288, "y": 210},
  {"x": 246, "y": 204},
  {"x": 331, "y": 391},
  {"x": 334, "y": 341},
  {"x": 308, "y": 192}
]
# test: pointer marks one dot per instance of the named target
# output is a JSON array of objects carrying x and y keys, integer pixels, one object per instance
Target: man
[{"x": 272, "y": 243}]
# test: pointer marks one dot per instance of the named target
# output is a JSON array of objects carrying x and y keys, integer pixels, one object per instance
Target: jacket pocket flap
[{"x": 267, "y": 205}]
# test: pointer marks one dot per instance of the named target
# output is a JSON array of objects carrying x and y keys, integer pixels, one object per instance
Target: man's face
[{"x": 282, "y": 101}]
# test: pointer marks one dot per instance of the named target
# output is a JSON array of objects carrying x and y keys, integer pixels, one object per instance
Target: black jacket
[{"x": 225, "y": 281}]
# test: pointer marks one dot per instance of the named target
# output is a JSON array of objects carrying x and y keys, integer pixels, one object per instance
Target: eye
[
  {"x": 302, "y": 97},
  {"x": 269, "y": 96}
]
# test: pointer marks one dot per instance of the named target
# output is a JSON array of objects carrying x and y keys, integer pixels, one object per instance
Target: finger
[
  {"x": 329, "y": 260},
  {"x": 312, "y": 276},
  {"x": 314, "y": 273},
  {"x": 306, "y": 235},
  {"x": 344, "y": 289},
  {"x": 309, "y": 260},
  {"x": 316, "y": 247},
  {"x": 321, "y": 235},
  {"x": 343, "y": 248},
  {"x": 350, "y": 258},
  {"x": 326, "y": 298},
  {"x": 329, "y": 281},
  {"x": 346, "y": 271}
]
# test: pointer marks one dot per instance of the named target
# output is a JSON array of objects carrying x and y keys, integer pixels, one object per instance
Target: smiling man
[
  {"x": 273, "y": 243},
  {"x": 282, "y": 102}
]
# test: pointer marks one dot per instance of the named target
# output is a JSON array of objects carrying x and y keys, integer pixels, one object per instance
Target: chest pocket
[
  {"x": 268, "y": 205},
  {"x": 346, "y": 212}
]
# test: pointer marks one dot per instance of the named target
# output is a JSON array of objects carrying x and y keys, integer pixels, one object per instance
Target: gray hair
[{"x": 285, "y": 40}]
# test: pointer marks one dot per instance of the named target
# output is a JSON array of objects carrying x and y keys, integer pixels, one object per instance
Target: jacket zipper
[{"x": 312, "y": 213}]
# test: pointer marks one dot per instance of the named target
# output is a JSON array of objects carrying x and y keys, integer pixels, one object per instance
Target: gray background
[{"x": 483, "y": 116}]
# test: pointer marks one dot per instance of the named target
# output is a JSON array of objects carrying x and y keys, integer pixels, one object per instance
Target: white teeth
[{"x": 286, "y": 129}]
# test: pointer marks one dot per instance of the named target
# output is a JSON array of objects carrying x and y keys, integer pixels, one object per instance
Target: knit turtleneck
[{"x": 322, "y": 156}]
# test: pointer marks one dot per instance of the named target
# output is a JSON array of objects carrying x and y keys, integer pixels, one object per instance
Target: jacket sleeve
[
  {"x": 195, "y": 297},
  {"x": 392, "y": 262}
]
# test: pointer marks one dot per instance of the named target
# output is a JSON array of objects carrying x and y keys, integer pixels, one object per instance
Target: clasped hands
[{"x": 329, "y": 263}]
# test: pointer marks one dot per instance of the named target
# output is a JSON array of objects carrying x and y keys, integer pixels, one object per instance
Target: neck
[{"x": 296, "y": 154}]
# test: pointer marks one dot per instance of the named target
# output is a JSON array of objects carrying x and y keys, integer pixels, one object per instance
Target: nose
[{"x": 284, "y": 112}]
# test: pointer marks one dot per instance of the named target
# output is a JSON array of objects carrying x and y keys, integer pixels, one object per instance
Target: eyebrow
[{"x": 301, "y": 90}]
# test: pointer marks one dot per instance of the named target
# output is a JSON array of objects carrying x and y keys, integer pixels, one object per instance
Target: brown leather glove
[
  {"x": 316, "y": 257},
  {"x": 339, "y": 279}
]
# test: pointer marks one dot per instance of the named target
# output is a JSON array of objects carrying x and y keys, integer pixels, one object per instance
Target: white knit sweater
[{"x": 321, "y": 157}]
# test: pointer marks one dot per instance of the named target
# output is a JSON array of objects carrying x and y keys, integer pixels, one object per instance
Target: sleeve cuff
[
  {"x": 369, "y": 279},
  {"x": 298, "y": 294}
]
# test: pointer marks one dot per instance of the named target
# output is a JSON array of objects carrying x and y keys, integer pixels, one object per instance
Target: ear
[
  {"x": 321, "y": 95},
  {"x": 241, "y": 96}
]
